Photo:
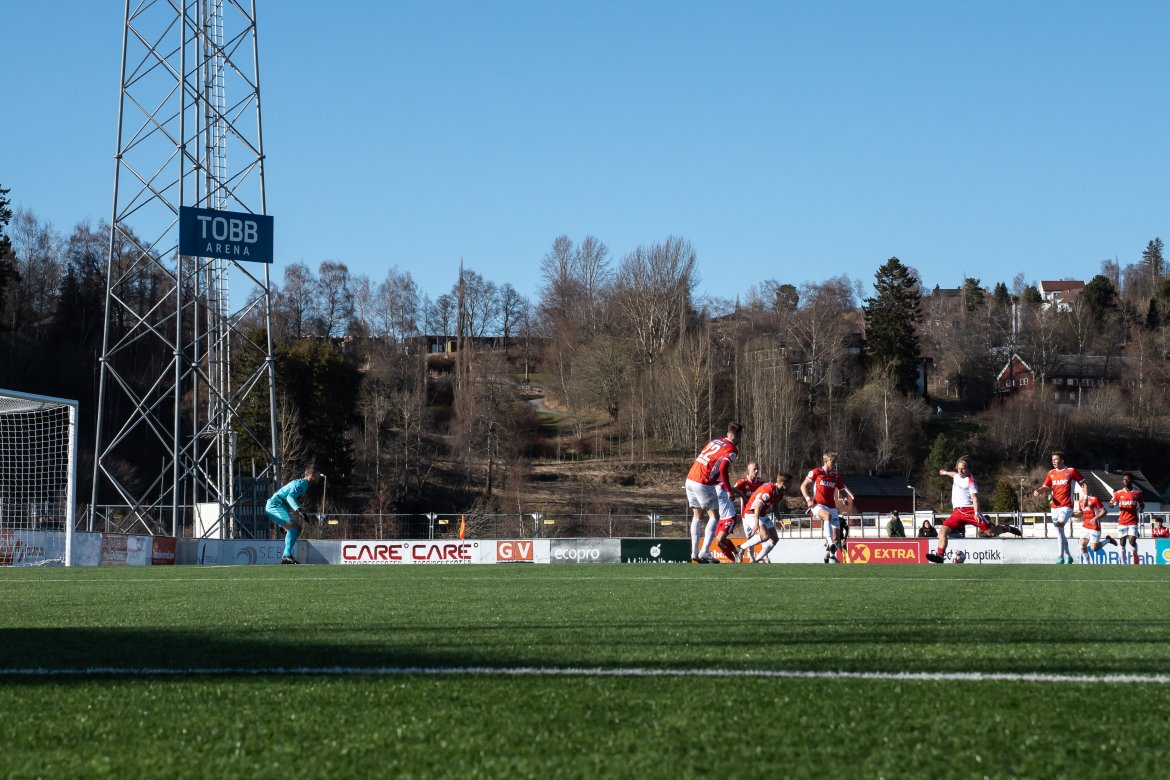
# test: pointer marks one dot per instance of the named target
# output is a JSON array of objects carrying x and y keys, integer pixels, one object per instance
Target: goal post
[{"x": 38, "y": 479}]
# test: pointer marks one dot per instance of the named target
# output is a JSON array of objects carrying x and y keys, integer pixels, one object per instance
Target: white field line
[{"x": 550, "y": 671}]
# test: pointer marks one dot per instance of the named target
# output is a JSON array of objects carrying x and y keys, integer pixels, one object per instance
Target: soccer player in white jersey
[{"x": 965, "y": 504}]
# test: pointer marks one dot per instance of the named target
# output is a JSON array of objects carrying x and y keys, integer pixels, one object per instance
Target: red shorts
[
  {"x": 965, "y": 515},
  {"x": 725, "y": 526}
]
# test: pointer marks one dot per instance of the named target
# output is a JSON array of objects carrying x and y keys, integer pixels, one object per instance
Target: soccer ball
[{"x": 959, "y": 556}]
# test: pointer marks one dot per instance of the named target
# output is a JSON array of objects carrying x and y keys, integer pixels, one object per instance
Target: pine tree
[
  {"x": 972, "y": 294},
  {"x": 9, "y": 272},
  {"x": 891, "y": 323},
  {"x": 1100, "y": 296},
  {"x": 1154, "y": 264}
]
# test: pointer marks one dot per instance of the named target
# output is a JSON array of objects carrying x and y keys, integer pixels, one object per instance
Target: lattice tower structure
[{"x": 187, "y": 381}]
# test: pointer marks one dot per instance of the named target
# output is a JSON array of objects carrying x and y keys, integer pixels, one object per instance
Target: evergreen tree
[
  {"x": 972, "y": 294},
  {"x": 1005, "y": 498},
  {"x": 8, "y": 269},
  {"x": 1153, "y": 262},
  {"x": 323, "y": 384},
  {"x": 891, "y": 323},
  {"x": 1000, "y": 294},
  {"x": 1100, "y": 295},
  {"x": 1032, "y": 295},
  {"x": 1153, "y": 316}
]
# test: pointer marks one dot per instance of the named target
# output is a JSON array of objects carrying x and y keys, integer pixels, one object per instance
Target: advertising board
[
  {"x": 1045, "y": 551},
  {"x": 656, "y": 551},
  {"x": 884, "y": 551},
  {"x": 520, "y": 550},
  {"x": 113, "y": 550},
  {"x": 586, "y": 551},
  {"x": 383, "y": 552},
  {"x": 87, "y": 549},
  {"x": 231, "y": 552},
  {"x": 163, "y": 551},
  {"x": 975, "y": 551}
]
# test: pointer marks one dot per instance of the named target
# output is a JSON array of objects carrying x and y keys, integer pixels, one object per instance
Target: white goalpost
[{"x": 38, "y": 479}]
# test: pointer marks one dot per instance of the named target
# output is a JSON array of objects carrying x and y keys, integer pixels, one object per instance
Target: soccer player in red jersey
[
  {"x": 757, "y": 510},
  {"x": 743, "y": 488},
  {"x": 1091, "y": 513},
  {"x": 1160, "y": 531},
  {"x": 965, "y": 504},
  {"x": 708, "y": 489},
  {"x": 1061, "y": 481},
  {"x": 1130, "y": 504},
  {"x": 820, "y": 489}
]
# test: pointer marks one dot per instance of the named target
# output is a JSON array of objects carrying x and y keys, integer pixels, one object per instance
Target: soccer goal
[{"x": 38, "y": 479}]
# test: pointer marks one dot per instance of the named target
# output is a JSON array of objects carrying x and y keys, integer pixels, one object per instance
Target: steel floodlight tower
[{"x": 187, "y": 374}]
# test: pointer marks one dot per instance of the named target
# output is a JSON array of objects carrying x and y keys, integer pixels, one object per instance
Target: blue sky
[{"x": 786, "y": 140}]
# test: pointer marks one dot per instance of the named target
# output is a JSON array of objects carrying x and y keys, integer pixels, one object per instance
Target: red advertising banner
[
  {"x": 163, "y": 551},
  {"x": 8, "y": 547},
  {"x": 886, "y": 551}
]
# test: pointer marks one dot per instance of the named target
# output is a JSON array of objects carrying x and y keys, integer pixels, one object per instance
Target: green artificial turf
[{"x": 1024, "y": 619}]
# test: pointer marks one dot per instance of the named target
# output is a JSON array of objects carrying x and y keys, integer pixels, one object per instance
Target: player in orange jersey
[
  {"x": 757, "y": 510},
  {"x": 1130, "y": 504},
  {"x": 708, "y": 489},
  {"x": 1091, "y": 512},
  {"x": 820, "y": 489},
  {"x": 1061, "y": 482},
  {"x": 743, "y": 489}
]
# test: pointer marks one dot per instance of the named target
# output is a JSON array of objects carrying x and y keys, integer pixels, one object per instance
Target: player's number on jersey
[{"x": 708, "y": 452}]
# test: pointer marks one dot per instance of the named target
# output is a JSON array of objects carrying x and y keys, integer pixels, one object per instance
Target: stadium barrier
[{"x": 25, "y": 548}]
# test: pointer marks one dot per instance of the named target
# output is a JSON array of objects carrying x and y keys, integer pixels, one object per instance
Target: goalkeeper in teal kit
[{"x": 278, "y": 510}]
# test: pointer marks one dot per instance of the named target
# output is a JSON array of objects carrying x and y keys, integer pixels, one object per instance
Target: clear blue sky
[{"x": 786, "y": 140}]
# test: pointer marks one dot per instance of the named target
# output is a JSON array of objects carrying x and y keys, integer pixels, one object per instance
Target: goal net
[{"x": 38, "y": 480}]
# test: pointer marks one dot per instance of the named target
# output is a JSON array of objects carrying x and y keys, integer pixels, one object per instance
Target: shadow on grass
[{"x": 1004, "y": 645}]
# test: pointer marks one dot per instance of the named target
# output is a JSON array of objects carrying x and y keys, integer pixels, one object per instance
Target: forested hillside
[{"x": 597, "y": 394}]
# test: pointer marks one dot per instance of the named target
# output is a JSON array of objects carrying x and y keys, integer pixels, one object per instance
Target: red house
[{"x": 1067, "y": 379}]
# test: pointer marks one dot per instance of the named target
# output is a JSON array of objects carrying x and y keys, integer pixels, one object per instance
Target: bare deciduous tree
[
  {"x": 652, "y": 294},
  {"x": 396, "y": 307},
  {"x": 334, "y": 298},
  {"x": 294, "y": 301}
]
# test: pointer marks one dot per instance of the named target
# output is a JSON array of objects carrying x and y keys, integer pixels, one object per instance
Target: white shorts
[
  {"x": 1094, "y": 537},
  {"x": 834, "y": 519},
  {"x": 749, "y": 522},
  {"x": 1061, "y": 515},
  {"x": 727, "y": 510},
  {"x": 700, "y": 496},
  {"x": 1127, "y": 530}
]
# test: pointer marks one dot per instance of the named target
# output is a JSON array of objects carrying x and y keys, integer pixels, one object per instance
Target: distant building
[
  {"x": 1067, "y": 379},
  {"x": 879, "y": 494},
  {"x": 1061, "y": 293}
]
